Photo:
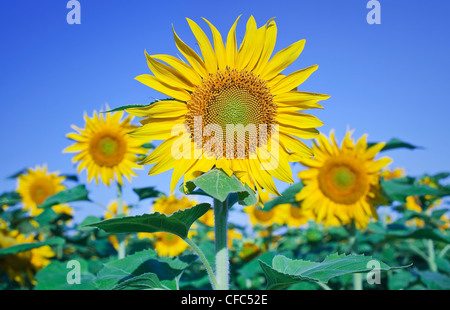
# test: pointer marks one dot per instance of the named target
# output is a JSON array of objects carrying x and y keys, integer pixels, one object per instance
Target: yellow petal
[
  {"x": 208, "y": 54},
  {"x": 295, "y": 145},
  {"x": 164, "y": 88},
  {"x": 157, "y": 130},
  {"x": 292, "y": 80},
  {"x": 161, "y": 109},
  {"x": 231, "y": 46},
  {"x": 305, "y": 133},
  {"x": 282, "y": 60},
  {"x": 269, "y": 45},
  {"x": 247, "y": 46},
  {"x": 191, "y": 56},
  {"x": 182, "y": 67},
  {"x": 262, "y": 176},
  {"x": 168, "y": 75},
  {"x": 258, "y": 46},
  {"x": 299, "y": 120},
  {"x": 219, "y": 47}
]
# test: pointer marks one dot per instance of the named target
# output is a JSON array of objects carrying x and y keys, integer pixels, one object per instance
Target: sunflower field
[{"x": 348, "y": 220}]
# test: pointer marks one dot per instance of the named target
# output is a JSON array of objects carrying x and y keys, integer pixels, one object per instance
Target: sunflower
[
  {"x": 171, "y": 204},
  {"x": 110, "y": 213},
  {"x": 296, "y": 216},
  {"x": 237, "y": 90},
  {"x": 393, "y": 174},
  {"x": 265, "y": 218},
  {"x": 413, "y": 203},
  {"x": 167, "y": 244},
  {"x": 231, "y": 235},
  {"x": 341, "y": 181},
  {"x": 105, "y": 149},
  {"x": 37, "y": 185},
  {"x": 208, "y": 218},
  {"x": 23, "y": 265}
]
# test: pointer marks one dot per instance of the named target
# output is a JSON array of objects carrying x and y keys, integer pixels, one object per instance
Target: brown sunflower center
[
  {"x": 168, "y": 239},
  {"x": 107, "y": 149},
  {"x": 40, "y": 190},
  {"x": 296, "y": 212},
  {"x": 236, "y": 103},
  {"x": 261, "y": 215},
  {"x": 343, "y": 180}
]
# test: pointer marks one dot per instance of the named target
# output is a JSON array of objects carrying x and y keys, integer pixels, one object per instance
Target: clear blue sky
[{"x": 387, "y": 80}]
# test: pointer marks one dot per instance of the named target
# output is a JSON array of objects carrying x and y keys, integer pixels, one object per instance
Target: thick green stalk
[
  {"x": 357, "y": 277},
  {"x": 120, "y": 237},
  {"x": 205, "y": 262},
  {"x": 221, "y": 243},
  {"x": 431, "y": 255}
]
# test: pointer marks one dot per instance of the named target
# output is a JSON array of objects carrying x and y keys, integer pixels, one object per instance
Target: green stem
[
  {"x": 221, "y": 243},
  {"x": 324, "y": 286},
  {"x": 431, "y": 256},
  {"x": 357, "y": 277},
  {"x": 205, "y": 262},
  {"x": 444, "y": 250},
  {"x": 120, "y": 237}
]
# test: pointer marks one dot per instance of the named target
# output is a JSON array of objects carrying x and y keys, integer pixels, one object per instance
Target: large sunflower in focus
[
  {"x": 341, "y": 181},
  {"x": 226, "y": 86},
  {"x": 105, "y": 149}
]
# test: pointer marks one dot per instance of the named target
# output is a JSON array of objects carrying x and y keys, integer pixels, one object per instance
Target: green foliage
[
  {"x": 262, "y": 256},
  {"x": 218, "y": 185},
  {"x": 29, "y": 246},
  {"x": 177, "y": 223},
  {"x": 147, "y": 192},
  {"x": 142, "y": 269},
  {"x": 78, "y": 193},
  {"x": 395, "y": 143},
  {"x": 285, "y": 271}
]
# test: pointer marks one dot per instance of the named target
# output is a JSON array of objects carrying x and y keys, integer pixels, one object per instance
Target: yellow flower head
[
  {"x": 341, "y": 180},
  {"x": 171, "y": 204},
  {"x": 393, "y": 174},
  {"x": 105, "y": 149},
  {"x": 231, "y": 235},
  {"x": 208, "y": 218},
  {"x": 168, "y": 244},
  {"x": 36, "y": 186},
  {"x": 296, "y": 216},
  {"x": 23, "y": 265},
  {"x": 413, "y": 203},
  {"x": 112, "y": 210},
  {"x": 266, "y": 218},
  {"x": 112, "y": 213},
  {"x": 226, "y": 87}
]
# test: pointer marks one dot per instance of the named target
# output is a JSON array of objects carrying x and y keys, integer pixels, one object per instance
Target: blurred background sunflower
[
  {"x": 341, "y": 180},
  {"x": 104, "y": 148}
]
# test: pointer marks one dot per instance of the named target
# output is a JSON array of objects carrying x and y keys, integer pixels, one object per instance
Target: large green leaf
[
  {"x": 167, "y": 270},
  {"x": 285, "y": 271},
  {"x": 421, "y": 233},
  {"x": 146, "y": 281},
  {"x": 395, "y": 143},
  {"x": 287, "y": 196},
  {"x": 78, "y": 193},
  {"x": 434, "y": 280},
  {"x": 177, "y": 223},
  {"x": 147, "y": 192},
  {"x": 54, "y": 277},
  {"x": 399, "y": 189},
  {"x": 130, "y": 106},
  {"x": 10, "y": 198},
  {"x": 217, "y": 184},
  {"x": 29, "y": 246}
]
